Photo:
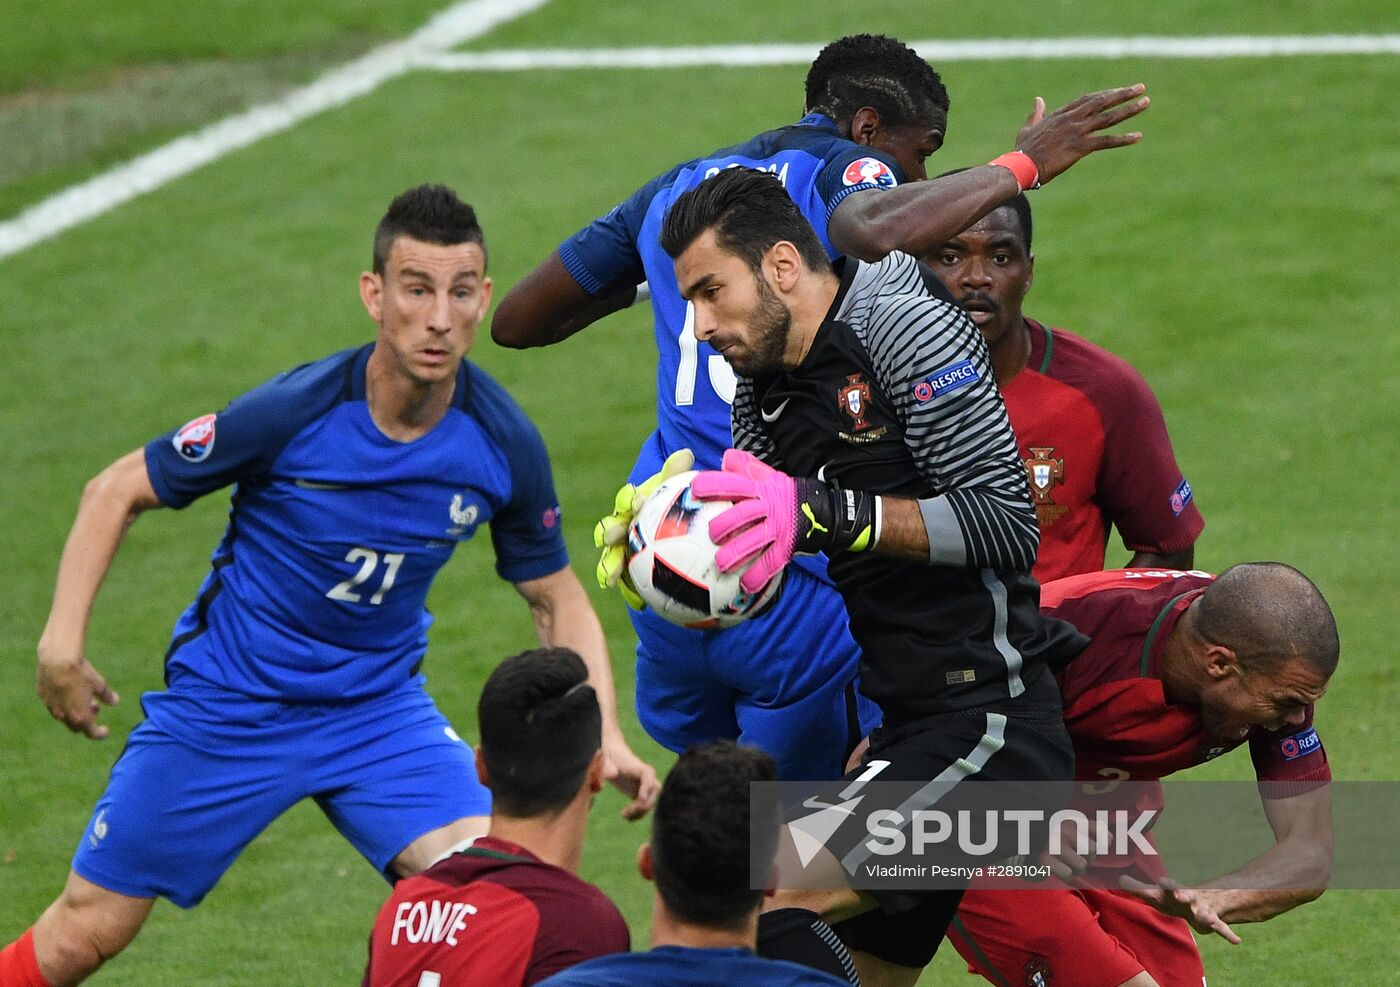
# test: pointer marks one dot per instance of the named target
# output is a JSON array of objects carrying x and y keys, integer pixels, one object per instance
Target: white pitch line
[
  {"x": 1145, "y": 46},
  {"x": 456, "y": 25},
  {"x": 427, "y": 48}
]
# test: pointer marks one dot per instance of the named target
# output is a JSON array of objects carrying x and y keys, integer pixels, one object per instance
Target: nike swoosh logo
[
  {"x": 770, "y": 419},
  {"x": 313, "y": 485}
]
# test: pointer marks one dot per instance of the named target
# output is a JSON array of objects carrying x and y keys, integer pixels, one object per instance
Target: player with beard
[
  {"x": 868, "y": 426},
  {"x": 1182, "y": 667},
  {"x": 854, "y": 166}
]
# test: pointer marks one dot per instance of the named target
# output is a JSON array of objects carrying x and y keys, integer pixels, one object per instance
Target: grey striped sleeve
[
  {"x": 933, "y": 363},
  {"x": 746, "y": 428}
]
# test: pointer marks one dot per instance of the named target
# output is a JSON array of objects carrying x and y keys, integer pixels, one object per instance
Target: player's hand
[
  {"x": 1192, "y": 904},
  {"x": 631, "y": 776},
  {"x": 1068, "y": 864},
  {"x": 73, "y": 692},
  {"x": 1057, "y": 141},
  {"x": 610, "y": 534},
  {"x": 776, "y": 516}
]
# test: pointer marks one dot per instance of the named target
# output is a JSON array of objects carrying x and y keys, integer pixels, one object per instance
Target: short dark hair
[
  {"x": 1021, "y": 206},
  {"x": 431, "y": 213},
  {"x": 749, "y": 211},
  {"x": 540, "y": 727},
  {"x": 877, "y": 71},
  {"x": 1268, "y": 613},
  {"x": 702, "y": 830},
  {"x": 1018, "y": 204}
]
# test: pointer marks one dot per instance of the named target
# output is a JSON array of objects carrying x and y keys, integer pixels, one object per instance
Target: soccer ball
[{"x": 672, "y": 561}]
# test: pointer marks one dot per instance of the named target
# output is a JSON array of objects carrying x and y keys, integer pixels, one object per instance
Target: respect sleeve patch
[
  {"x": 1181, "y": 496},
  {"x": 945, "y": 381},
  {"x": 1300, "y": 744}
]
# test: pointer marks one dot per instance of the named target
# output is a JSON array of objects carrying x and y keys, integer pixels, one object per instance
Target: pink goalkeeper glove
[{"x": 776, "y": 516}]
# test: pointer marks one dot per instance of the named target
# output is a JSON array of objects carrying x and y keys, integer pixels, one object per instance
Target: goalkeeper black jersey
[{"x": 896, "y": 396}]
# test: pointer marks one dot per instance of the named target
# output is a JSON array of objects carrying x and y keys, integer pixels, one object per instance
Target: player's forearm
[
  {"x": 1284, "y": 877},
  {"x": 902, "y": 531},
  {"x": 564, "y": 618},
  {"x": 111, "y": 501},
  {"x": 1235, "y": 905},
  {"x": 930, "y": 531},
  {"x": 548, "y": 306},
  {"x": 918, "y": 217}
]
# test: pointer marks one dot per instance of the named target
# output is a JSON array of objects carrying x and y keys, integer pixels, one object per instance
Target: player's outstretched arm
[
  {"x": 917, "y": 217},
  {"x": 1292, "y": 872},
  {"x": 548, "y": 305},
  {"x": 72, "y": 690},
  {"x": 565, "y": 618}
]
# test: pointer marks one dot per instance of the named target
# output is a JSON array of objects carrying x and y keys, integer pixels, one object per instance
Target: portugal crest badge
[
  {"x": 855, "y": 400},
  {"x": 1045, "y": 473}
]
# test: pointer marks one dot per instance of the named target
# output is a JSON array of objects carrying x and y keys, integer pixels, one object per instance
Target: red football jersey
[
  {"x": 1097, "y": 455},
  {"x": 1117, "y": 712},
  {"x": 1123, "y": 729},
  {"x": 491, "y": 914}
]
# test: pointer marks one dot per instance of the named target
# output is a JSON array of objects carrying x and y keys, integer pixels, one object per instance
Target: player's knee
[
  {"x": 82, "y": 930},
  {"x": 70, "y": 949}
]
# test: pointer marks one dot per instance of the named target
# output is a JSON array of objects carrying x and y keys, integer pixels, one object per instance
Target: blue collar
[{"x": 819, "y": 120}]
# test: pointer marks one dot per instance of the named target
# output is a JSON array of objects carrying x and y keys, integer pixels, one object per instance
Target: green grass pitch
[{"x": 1243, "y": 256}]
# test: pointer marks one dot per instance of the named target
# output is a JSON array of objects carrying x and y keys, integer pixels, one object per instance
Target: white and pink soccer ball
[{"x": 671, "y": 560}]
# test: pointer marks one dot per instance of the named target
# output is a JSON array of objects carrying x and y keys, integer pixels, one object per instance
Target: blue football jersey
[
  {"x": 694, "y": 386},
  {"x": 687, "y": 966},
  {"x": 317, "y": 591}
]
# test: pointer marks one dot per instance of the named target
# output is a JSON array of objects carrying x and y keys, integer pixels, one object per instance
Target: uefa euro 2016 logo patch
[
  {"x": 944, "y": 381},
  {"x": 869, "y": 171},
  {"x": 1181, "y": 496},
  {"x": 195, "y": 439},
  {"x": 1299, "y": 745}
]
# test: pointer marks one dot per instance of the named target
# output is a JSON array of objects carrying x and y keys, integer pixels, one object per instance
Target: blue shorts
[
  {"x": 208, "y": 771},
  {"x": 785, "y": 682}
]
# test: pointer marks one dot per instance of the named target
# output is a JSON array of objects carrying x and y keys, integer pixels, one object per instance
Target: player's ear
[
  {"x": 644, "y": 862},
  {"x": 1030, "y": 273},
  {"x": 595, "y": 771},
  {"x": 1220, "y": 662},
  {"x": 372, "y": 294},
  {"x": 783, "y": 264},
  {"x": 482, "y": 775},
  {"x": 865, "y": 126}
]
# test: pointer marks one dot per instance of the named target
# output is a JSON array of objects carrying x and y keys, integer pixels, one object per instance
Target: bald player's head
[
  {"x": 1268, "y": 613},
  {"x": 1256, "y": 649}
]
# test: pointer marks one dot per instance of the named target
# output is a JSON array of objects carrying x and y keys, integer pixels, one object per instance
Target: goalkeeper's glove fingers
[
  {"x": 612, "y": 571},
  {"x": 776, "y": 516},
  {"x": 610, "y": 533},
  {"x": 676, "y": 463},
  {"x": 612, "y": 529}
]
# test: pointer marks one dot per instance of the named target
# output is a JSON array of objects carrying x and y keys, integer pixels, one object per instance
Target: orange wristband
[{"x": 1019, "y": 163}]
